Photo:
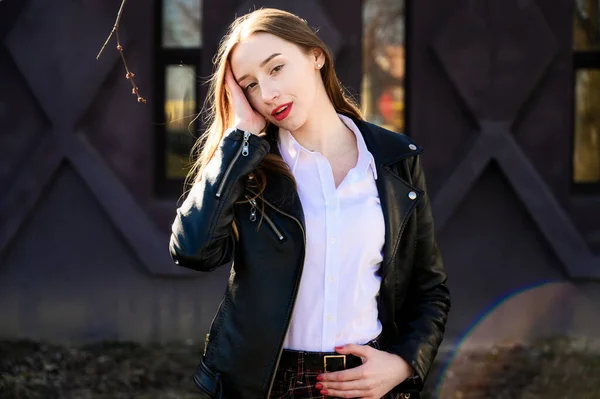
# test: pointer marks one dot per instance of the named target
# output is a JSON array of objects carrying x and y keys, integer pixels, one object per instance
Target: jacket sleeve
[
  {"x": 202, "y": 234},
  {"x": 421, "y": 319}
]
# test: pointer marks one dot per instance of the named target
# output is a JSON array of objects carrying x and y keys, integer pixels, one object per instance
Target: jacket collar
[
  {"x": 397, "y": 194},
  {"x": 386, "y": 146}
]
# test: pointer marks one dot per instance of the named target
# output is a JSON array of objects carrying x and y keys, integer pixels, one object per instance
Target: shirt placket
[{"x": 331, "y": 264}]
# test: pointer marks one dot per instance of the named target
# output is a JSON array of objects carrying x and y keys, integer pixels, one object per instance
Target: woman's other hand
[
  {"x": 379, "y": 374},
  {"x": 246, "y": 118}
]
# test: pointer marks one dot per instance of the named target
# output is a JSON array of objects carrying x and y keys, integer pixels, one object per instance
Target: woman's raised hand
[{"x": 246, "y": 118}]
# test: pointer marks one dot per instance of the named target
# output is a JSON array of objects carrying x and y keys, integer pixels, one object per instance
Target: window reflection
[
  {"x": 586, "y": 32},
  {"x": 180, "y": 111},
  {"x": 383, "y": 63},
  {"x": 586, "y": 159},
  {"x": 182, "y": 25}
]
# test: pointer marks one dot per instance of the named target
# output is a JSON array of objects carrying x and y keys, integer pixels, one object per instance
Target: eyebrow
[{"x": 262, "y": 64}]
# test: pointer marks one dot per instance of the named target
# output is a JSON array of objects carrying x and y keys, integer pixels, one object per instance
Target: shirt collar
[
  {"x": 291, "y": 150},
  {"x": 365, "y": 158}
]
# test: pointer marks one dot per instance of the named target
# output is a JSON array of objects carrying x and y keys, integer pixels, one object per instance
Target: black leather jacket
[{"x": 246, "y": 336}]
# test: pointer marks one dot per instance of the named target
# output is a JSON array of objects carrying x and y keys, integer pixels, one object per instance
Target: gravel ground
[
  {"x": 553, "y": 368},
  {"x": 121, "y": 370}
]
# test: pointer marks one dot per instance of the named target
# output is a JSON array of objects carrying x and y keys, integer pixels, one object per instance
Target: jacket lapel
[{"x": 398, "y": 197}]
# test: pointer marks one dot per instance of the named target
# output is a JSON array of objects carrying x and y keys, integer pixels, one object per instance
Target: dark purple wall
[{"x": 83, "y": 236}]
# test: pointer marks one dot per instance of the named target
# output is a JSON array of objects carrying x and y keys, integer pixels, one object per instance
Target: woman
[{"x": 337, "y": 287}]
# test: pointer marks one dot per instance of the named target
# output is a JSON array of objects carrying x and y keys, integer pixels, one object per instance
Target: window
[
  {"x": 383, "y": 81},
  {"x": 586, "y": 61},
  {"x": 178, "y": 56}
]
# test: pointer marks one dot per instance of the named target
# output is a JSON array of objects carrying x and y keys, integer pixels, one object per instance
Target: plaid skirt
[{"x": 299, "y": 382}]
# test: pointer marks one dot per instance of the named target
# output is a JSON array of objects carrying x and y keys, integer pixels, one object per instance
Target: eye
[
  {"x": 250, "y": 86},
  {"x": 277, "y": 68}
]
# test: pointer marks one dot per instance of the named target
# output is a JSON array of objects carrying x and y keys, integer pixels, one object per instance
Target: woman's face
[{"x": 274, "y": 73}]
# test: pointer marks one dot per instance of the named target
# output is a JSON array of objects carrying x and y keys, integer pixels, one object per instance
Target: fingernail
[
  {"x": 320, "y": 377},
  {"x": 319, "y": 385},
  {"x": 324, "y": 392},
  {"x": 339, "y": 347}
]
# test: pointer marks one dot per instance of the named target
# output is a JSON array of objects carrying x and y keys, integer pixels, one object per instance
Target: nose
[{"x": 269, "y": 92}]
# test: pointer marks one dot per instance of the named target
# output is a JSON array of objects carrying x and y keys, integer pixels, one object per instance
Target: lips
[{"x": 282, "y": 111}]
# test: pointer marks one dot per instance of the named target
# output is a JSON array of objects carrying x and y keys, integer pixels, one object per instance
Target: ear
[{"x": 318, "y": 57}]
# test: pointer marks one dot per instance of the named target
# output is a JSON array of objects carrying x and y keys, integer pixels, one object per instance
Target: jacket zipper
[
  {"x": 244, "y": 151},
  {"x": 274, "y": 372},
  {"x": 280, "y": 236}
]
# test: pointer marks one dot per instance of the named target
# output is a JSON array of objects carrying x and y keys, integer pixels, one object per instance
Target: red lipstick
[{"x": 283, "y": 114}]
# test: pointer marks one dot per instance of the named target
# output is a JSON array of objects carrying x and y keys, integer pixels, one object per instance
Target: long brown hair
[{"x": 218, "y": 107}]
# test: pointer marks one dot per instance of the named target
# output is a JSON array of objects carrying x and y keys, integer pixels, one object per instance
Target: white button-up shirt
[{"x": 345, "y": 233}]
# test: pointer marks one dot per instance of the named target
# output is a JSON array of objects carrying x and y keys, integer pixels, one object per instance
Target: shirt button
[
  {"x": 331, "y": 279},
  {"x": 333, "y": 240},
  {"x": 412, "y": 195},
  {"x": 329, "y": 317},
  {"x": 412, "y": 147}
]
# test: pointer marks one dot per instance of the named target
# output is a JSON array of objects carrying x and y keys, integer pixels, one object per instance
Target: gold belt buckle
[{"x": 332, "y": 357}]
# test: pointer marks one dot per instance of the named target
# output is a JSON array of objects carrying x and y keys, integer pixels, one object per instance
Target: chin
[
  {"x": 284, "y": 125},
  {"x": 292, "y": 125}
]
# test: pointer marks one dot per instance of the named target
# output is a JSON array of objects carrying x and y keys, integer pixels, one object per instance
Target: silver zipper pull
[
  {"x": 245, "y": 144},
  {"x": 253, "y": 210}
]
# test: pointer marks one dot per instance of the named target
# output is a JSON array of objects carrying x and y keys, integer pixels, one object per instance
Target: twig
[{"x": 128, "y": 75}]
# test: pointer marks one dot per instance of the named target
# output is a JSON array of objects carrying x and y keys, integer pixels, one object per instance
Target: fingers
[
  {"x": 245, "y": 116},
  {"x": 364, "y": 351},
  {"x": 230, "y": 80},
  {"x": 352, "y": 374},
  {"x": 237, "y": 96},
  {"x": 343, "y": 388},
  {"x": 345, "y": 385}
]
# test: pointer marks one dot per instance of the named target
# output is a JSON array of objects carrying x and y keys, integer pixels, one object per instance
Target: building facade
[{"x": 503, "y": 94}]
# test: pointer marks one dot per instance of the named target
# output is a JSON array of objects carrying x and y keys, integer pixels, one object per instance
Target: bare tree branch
[{"x": 128, "y": 75}]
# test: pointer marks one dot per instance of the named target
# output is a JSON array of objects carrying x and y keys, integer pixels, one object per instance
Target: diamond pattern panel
[
  {"x": 126, "y": 146},
  {"x": 21, "y": 119},
  {"x": 524, "y": 260},
  {"x": 64, "y": 80},
  {"x": 37, "y": 43},
  {"x": 495, "y": 54},
  {"x": 68, "y": 297}
]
